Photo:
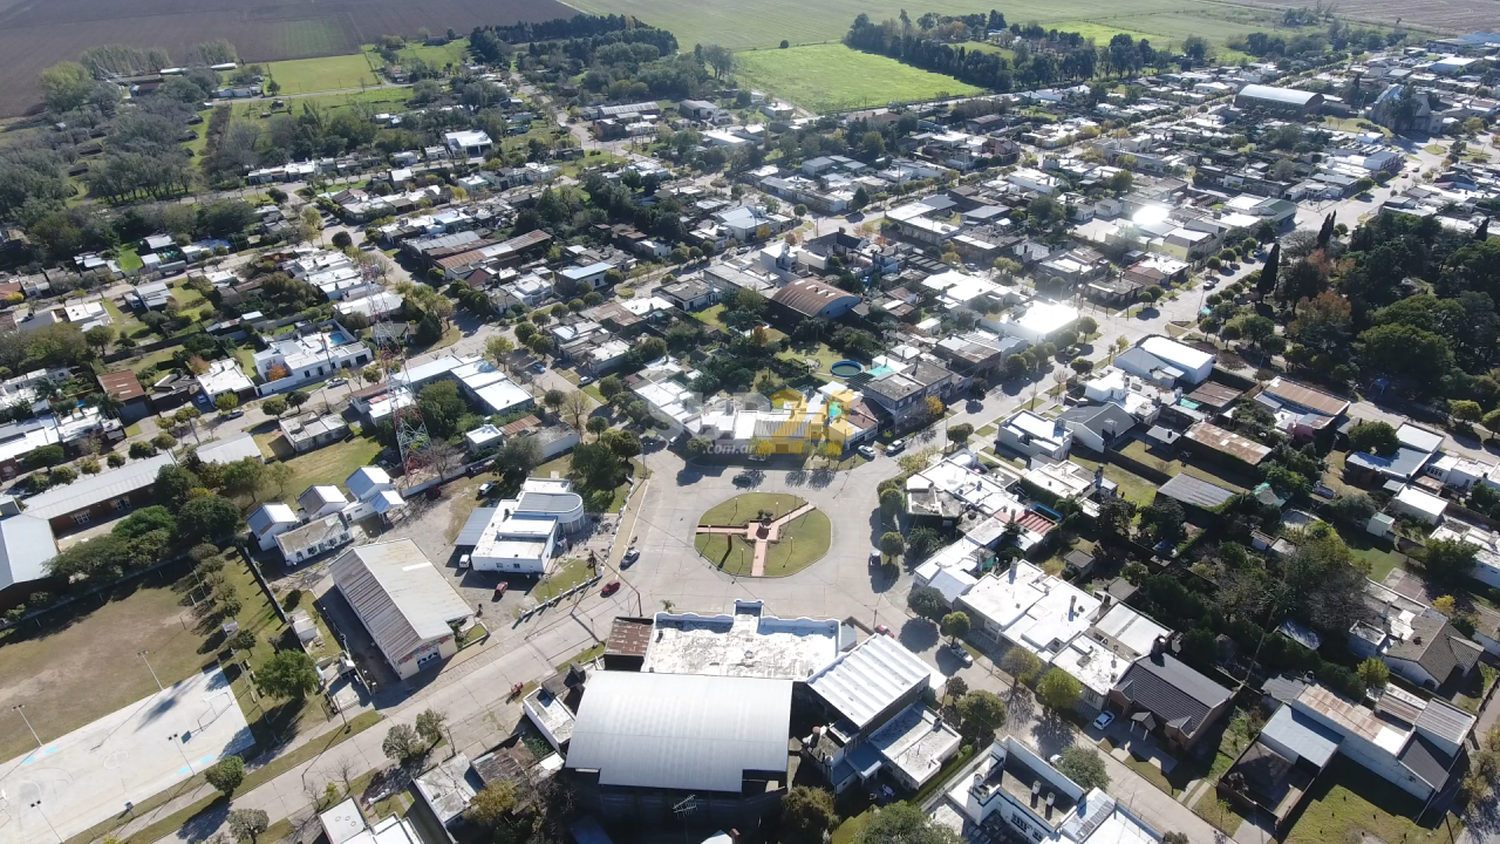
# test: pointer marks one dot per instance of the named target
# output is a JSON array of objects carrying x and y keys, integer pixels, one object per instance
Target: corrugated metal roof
[
  {"x": 863, "y": 682},
  {"x": 231, "y": 450},
  {"x": 1290, "y": 730},
  {"x": 1270, "y": 93},
  {"x": 26, "y": 544},
  {"x": 89, "y": 490},
  {"x": 474, "y": 527},
  {"x": 681, "y": 731},
  {"x": 1195, "y": 491},
  {"x": 1445, "y": 722},
  {"x": 398, "y": 594}
]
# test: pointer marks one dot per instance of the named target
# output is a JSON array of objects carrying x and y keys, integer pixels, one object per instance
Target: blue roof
[
  {"x": 1403, "y": 464},
  {"x": 1290, "y": 730}
]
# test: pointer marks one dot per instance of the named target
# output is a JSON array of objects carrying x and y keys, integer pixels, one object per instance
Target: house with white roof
[
  {"x": 1165, "y": 361},
  {"x": 1025, "y": 607},
  {"x": 521, "y": 534},
  {"x": 271, "y": 519},
  {"x": 1029, "y": 434},
  {"x": 468, "y": 144},
  {"x": 225, "y": 376},
  {"x": 291, "y": 361}
]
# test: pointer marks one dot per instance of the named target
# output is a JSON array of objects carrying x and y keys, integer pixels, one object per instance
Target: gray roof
[
  {"x": 551, "y": 503},
  {"x": 474, "y": 527},
  {"x": 1428, "y": 761},
  {"x": 1100, "y": 417},
  {"x": 1438, "y": 647},
  {"x": 1167, "y": 688},
  {"x": 1195, "y": 491},
  {"x": 1290, "y": 730},
  {"x": 231, "y": 450},
  {"x": 1287, "y": 96},
  {"x": 681, "y": 731},
  {"x": 89, "y": 490},
  {"x": 26, "y": 544},
  {"x": 1445, "y": 721},
  {"x": 398, "y": 594},
  {"x": 1403, "y": 464},
  {"x": 862, "y": 683}
]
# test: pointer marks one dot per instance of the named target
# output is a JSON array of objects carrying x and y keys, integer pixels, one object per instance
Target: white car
[
  {"x": 867, "y": 452},
  {"x": 961, "y": 654},
  {"x": 1104, "y": 720},
  {"x": 895, "y": 448},
  {"x": 463, "y": 562}
]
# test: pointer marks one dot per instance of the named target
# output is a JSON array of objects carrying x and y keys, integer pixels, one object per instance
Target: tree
[
  {"x": 956, "y": 624},
  {"x": 904, "y": 823},
  {"x": 597, "y": 425},
  {"x": 1175, "y": 838},
  {"x": 1115, "y": 515},
  {"x": 207, "y": 518},
  {"x": 935, "y": 406},
  {"x": 1373, "y": 673},
  {"x": 1465, "y": 410},
  {"x": 430, "y": 726},
  {"x": 274, "y": 406},
  {"x": 288, "y": 674},
  {"x": 99, "y": 337},
  {"x": 226, "y": 402},
  {"x": 1449, "y": 560},
  {"x": 246, "y": 825},
  {"x": 402, "y": 744},
  {"x": 806, "y": 815},
  {"x": 1163, "y": 521},
  {"x": 892, "y": 502},
  {"x": 576, "y": 407},
  {"x": 892, "y": 544},
  {"x": 342, "y": 240},
  {"x": 498, "y": 349},
  {"x": 1087, "y": 326},
  {"x": 226, "y": 775},
  {"x": 1266, "y": 286},
  {"x": 1021, "y": 664},
  {"x": 1084, "y": 766},
  {"x": 959, "y": 434},
  {"x": 492, "y": 805},
  {"x": 981, "y": 713},
  {"x": 296, "y": 398},
  {"x": 66, "y": 86},
  {"x": 926, "y": 602},
  {"x": 1377, "y": 438},
  {"x": 1057, "y": 690}
]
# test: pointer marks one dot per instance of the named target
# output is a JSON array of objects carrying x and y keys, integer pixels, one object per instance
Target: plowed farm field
[{"x": 35, "y": 34}]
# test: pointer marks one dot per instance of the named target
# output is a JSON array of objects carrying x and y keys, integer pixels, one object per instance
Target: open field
[
  {"x": 832, "y": 77},
  {"x": 437, "y": 55},
  {"x": 77, "y": 670},
  {"x": 309, "y": 76},
  {"x": 34, "y": 36}
]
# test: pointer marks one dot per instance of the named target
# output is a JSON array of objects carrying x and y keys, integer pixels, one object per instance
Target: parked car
[
  {"x": 234, "y": 414},
  {"x": 876, "y": 558},
  {"x": 500, "y": 589},
  {"x": 585, "y": 380},
  {"x": 882, "y": 630},
  {"x": 1104, "y": 720},
  {"x": 895, "y": 448},
  {"x": 961, "y": 653},
  {"x": 337, "y": 382},
  {"x": 866, "y": 451},
  {"x": 610, "y": 588},
  {"x": 630, "y": 557},
  {"x": 464, "y": 562},
  {"x": 484, "y": 489}
]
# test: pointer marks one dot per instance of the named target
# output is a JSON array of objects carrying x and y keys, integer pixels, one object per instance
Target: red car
[
  {"x": 882, "y": 630},
  {"x": 610, "y": 588},
  {"x": 500, "y": 589}
]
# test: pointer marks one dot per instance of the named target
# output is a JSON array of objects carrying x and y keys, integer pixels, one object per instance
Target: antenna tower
[{"x": 412, "y": 439}]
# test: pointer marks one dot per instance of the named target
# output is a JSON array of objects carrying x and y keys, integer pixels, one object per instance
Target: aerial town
[{"x": 570, "y": 433}]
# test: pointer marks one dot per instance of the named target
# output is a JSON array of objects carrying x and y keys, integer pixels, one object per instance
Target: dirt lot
[
  {"x": 34, "y": 36},
  {"x": 73, "y": 672}
]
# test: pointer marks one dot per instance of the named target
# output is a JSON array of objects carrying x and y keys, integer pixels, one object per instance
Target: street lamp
[
  {"x": 21, "y": 708},
  {"x": 142, "y": 655}
]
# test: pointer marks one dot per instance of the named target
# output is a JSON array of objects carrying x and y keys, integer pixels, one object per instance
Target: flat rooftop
[
  {"x": 917, "y": 742},
  {"x": 743, "y": 644}
]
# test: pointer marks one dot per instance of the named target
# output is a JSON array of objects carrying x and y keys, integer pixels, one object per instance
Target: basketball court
[{"x": 91, "y": 774}]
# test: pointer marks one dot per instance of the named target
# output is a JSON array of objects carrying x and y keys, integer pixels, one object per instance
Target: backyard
[
  {"x": 83, "y": 664},
  {"x": 1346, "y": 800},
  {"x": 327, "y": 465},
  {"x": 331, "y": 73}
]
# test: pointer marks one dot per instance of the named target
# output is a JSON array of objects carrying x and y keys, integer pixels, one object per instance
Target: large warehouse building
[
  {"x": 1286, "y": 100},
  {"x": 403, "y": 601},
  {"x": 666, "y": 749}
]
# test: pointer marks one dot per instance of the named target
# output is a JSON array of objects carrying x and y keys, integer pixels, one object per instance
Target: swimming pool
[
  {"x": 846, "y": 368},
  {"x": 338, "y": 338}
]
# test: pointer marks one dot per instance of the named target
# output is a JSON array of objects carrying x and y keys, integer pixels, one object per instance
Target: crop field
[
  {"x": 34, "y": 36},
  {"x": 308, "y": 76},
  {"x": 832, "y": 77}
]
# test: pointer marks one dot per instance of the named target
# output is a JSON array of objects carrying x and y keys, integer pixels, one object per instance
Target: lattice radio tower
[{"x": 412, "y": 439}]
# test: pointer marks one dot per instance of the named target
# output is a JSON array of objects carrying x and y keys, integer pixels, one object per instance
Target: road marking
[{"x": 38, "y": 755}]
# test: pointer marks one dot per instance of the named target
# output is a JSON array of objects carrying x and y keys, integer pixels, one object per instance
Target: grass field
[
  {"x": 308, "y": 76},
  {"x": 329, "y": 465},
  {"x": 437, "y": 55},
  {"x": 1346, "y": 800},
  {"x": 983, "y": 47},
  {"x": 741, "y": 509},
  {"x": 804, "y": 541},
  {"x": 832, "y": 77},
  {"x": 81, "y": 668}
]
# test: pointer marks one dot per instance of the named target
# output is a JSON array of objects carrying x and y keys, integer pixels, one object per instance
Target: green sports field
[
  {"x": 832, "y": 77},
  {"x": 307, "y": 76}
]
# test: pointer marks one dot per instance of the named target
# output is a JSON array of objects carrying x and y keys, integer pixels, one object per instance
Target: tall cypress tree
[
  {"x": 1483, "y": 232},
  {"x": 1267, "y": 283}
]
